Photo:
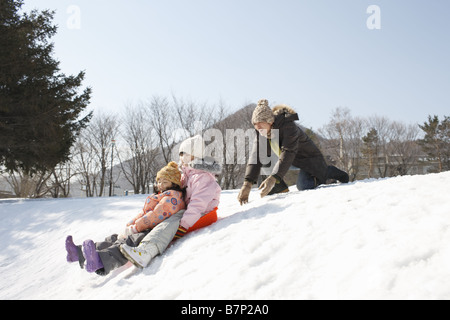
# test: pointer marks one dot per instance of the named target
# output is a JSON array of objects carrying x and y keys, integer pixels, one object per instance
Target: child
[
  {"x": 159, "y": 207},
  {"x": 202, "y": 199},
  {"x": 102, "y": 257}
]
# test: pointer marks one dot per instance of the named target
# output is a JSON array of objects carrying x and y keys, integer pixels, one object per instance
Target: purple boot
[
  {"x": 93, "y": 261},
  {"x": 72, "y": 250}
]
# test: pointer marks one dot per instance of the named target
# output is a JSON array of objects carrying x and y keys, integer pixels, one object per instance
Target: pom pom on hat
[{"x": 263, "y": 113}]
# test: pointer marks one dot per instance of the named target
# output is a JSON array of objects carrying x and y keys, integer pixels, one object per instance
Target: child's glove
[
  {"x": 130, "y": 230},
  {"x": 180, "y": 232}
]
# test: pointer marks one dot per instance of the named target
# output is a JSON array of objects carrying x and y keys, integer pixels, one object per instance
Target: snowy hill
[{"x": 374, "y": 239}]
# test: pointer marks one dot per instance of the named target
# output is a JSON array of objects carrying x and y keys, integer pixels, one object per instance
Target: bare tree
[
  {"x": 334, "y": 131},
  {"x": 162, "y": 119},
  {"x": 344, "y": 140},
  {"x": 384, "y": 131},
  {"x": 403, "y": 148},
  {"x": 237, "y": 136},
  {"x": 354, "y": 146},
  {"x": 60, "y": 180},
  {"x": 28, "y": 186},
  {"x": 85, "y": 165},
  {"x": 194, "y": 117},
  {"x": 101, "y": 134},
  {"x": 139, "y": 158}
]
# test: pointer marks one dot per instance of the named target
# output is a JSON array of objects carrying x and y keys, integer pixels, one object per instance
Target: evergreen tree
[
  {"x": 436, "y": 143},
  {"x": 40, "y": 108},
  {"x": 370, "y": 150},
  {"x": 444, "y": 135}
]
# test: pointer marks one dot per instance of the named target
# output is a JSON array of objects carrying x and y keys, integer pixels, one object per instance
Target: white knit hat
[{"x": 194, "y": 146}]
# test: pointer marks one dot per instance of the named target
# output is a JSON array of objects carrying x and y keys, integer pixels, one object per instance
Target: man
[{"x": 277, "y": 129}]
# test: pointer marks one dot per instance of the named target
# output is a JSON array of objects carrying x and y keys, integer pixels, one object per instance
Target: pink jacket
[{"x": 202, "y": 195}]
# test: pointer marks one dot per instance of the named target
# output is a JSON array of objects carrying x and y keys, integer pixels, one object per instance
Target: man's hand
[
  {"x": 267, "y": 186},
  {"x": 245, "y": 192}
]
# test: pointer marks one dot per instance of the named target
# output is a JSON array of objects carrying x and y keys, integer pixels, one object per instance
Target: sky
[{"x": 375, "y": 57}]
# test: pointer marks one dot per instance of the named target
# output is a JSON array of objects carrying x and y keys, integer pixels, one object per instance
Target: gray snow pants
[
  {"x": 109, "y": 252},
  {"x": 163, "y": 234}
]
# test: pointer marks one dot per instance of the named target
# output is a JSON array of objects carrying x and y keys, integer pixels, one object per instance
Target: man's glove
[
  {"x": 244, "y": 193},
  {"x": 267, "y": 186}
]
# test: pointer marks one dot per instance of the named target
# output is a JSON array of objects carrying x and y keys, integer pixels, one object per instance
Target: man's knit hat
[
  {"x": 263, "y": 113},
  {"x": 171, "y": 173}
]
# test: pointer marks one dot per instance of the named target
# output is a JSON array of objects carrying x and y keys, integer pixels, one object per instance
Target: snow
[{"x": 372, "y": 239}]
